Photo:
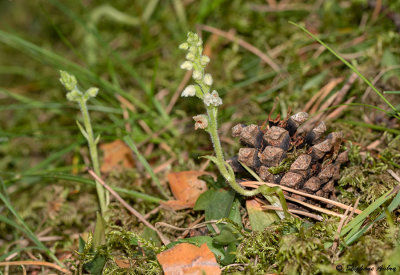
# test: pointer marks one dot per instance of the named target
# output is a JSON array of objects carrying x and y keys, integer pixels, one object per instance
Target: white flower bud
[
  {"x": 204, "y": 60},
  {"x": 199, "y": 43},
  {"x": 208, "y": 80},
  {"x": 187, "y": 65},
  {"x": 92, "y": 92},
  {"x": 189, "y": 91},
  {"x": 212, "y": 99},
  {"x": 201, "y": 122},
  {"x": 184, "y": 46},
  {"x": 197, "y": 75},
  {"x": 74, "y": 95},
  {"x": 190, "y": 56},
  {"x": 193, "y": 49},
  {"x": 68, "y": 80}
]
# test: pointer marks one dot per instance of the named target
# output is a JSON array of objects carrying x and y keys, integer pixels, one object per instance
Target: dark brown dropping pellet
[
  {"x": 271, "y": 156},
  {"x": 265, "y": 175},
  {"x": 329, "y": 172},
  {"x": 251, "y": 135},
  {"x": 277, "y": 137},
  {"x": 343, "y": 157},
  {"x": 236, "y": 166},
  {"x": 319, "y": 150},
  {"x": 329, "y": 187},
  {"x": 295, "y": 121},
  {"x": 315, "y": 133},
  {"x": 237, "y": 129},
  {"x": 248, "y": 156},
  {"x": 313, "y": 184},
  {"x": 277, "y": 178},
  {"x": 302, "y": 163},
  {"x": 292, "y": 180}
]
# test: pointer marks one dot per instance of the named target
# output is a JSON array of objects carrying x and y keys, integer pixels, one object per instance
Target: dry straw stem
[
  {"x": 255, "y": 184},
  {"x": 293, "y": 211},
  {"x": 243, "y": 44},
  {"x": 130, "y": 208},
  {"x": 36, "y": 263}
]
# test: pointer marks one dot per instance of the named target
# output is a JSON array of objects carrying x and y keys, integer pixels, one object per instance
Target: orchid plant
[{"x": 197, "y": 62}]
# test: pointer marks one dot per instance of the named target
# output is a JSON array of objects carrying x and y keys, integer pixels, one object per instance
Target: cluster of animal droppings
[{"x": 287, "y": 154}]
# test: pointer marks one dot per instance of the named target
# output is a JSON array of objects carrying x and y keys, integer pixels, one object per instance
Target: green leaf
[
  {"x": 260, "y": 219},
  {"x": 234, "y": 214},
  {"x": 150, "y": 235},
  {"x": 227, "y": 236},
  {"x": 96, "y": 266},
  {"x": 203, "y": 200},
  {"x": 82, "y": 245},
  {"x": 219, "y": 207},
  {"x": 99, "y": 236}
]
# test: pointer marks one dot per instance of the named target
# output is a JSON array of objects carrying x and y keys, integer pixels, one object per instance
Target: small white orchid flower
[
  {"x": 197, "y": 75},
  {"x": 189, "y": 91},
  {"x": 201, "y": 122},
  {"x": 208, "y": 80},
  {"x": 187, "y": 65}
]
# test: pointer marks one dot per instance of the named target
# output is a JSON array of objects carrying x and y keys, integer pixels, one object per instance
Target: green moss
[{"x": 290, "y": 246}]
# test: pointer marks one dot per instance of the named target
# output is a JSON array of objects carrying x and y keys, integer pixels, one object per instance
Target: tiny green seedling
[
  {"x": 196, "y": 61},
  {"x": 75, "y": 94}
]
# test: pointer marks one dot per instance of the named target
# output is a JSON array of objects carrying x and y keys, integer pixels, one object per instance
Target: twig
[
  {"x": 15, "y": 263},
  {"x": 294, "y": 211},
  {"x": 394, "y": 175},
  {"x": 243, "y": 44},
  {"x": 130, "y": 208},
  {"x": 184, "y": 234},
  {"x": 352, "y": 212},
  {"x": 337, "y": 234},
  {"x": 254, "y": 184},
  {"x": 187, "y": 228},
  {"x": 178, "y": 91},
  {"x": 316, "y": 208}
]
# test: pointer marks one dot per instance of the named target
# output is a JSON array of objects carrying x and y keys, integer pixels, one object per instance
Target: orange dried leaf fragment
[
  {"x": 187, "y": 258},
  {"x": 186, "y": 188},
  {"x": 116, "y": 155}
]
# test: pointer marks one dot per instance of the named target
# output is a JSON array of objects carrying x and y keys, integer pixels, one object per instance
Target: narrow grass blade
[
  {"x": 361, "y": 217},
  {"x": 354, "y": 69},
  {"x": 128, "y": 140},
  {"x": 25, "y": 229},
  {"x": 79, "y": 179}
]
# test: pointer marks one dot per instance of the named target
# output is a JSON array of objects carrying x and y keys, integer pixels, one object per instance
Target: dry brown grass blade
[
  {"x": 255, "y": 184},
  {"x": 314, "y": 207},
  {"x": 243, "y": 44},
  {"x": 293, "y": 211},
  {"x": 337, "y": 112},
  {"x": 327, "y": 89},
  {"x": 320, "y": 94},
  {"x": 36, "y": 263},
  {"x": 130, "y": 208},
  {"x": 337, "y": 234}
]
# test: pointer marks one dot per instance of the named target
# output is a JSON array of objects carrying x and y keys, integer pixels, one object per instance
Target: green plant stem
[
  {"x": 212, "y": 113},
  {"x": 230, "y": 177},
  {"x": 101, "y": 193}
]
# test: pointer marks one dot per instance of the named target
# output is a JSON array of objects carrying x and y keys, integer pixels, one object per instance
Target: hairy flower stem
[
  {"x": 101, "y": 193},
  {"x": 230, "y": 178}
]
